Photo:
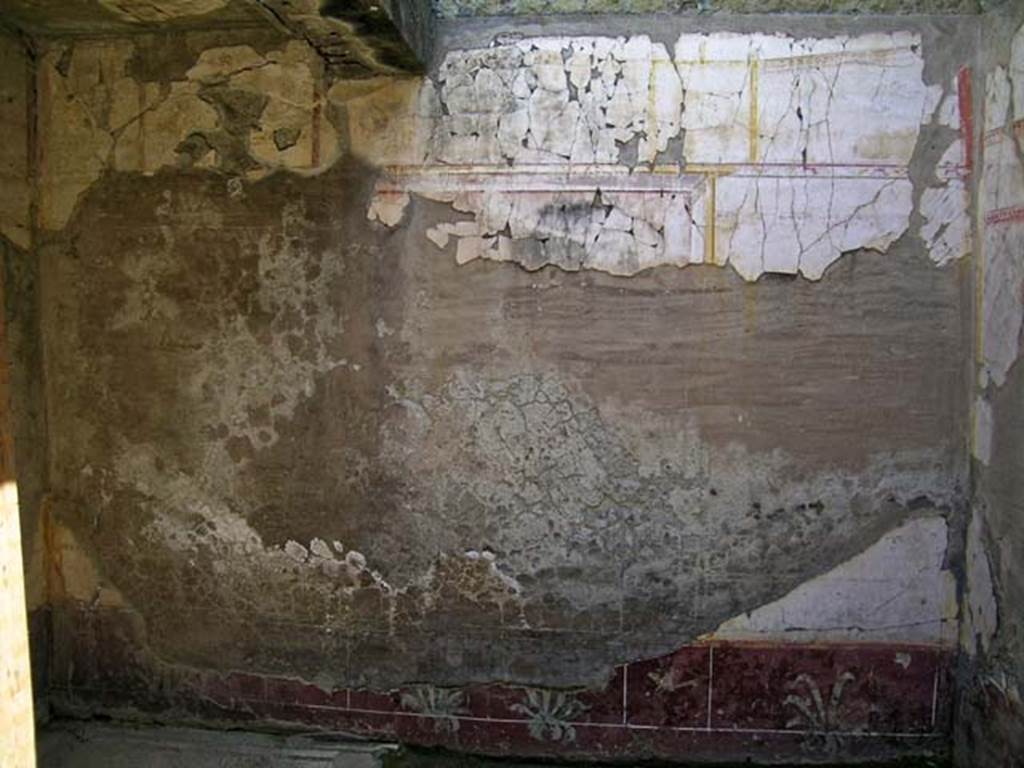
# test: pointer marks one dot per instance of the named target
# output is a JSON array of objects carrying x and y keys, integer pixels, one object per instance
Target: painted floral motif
[
  {"x": 551, "y": 714},
  {"x": 667, "y": 682},
  {"x": 824, "y": 718},
  {"x": 442, "y": 704}
]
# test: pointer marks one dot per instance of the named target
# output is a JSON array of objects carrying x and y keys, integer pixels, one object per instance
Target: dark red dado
[{"x": 712, "y": 700}]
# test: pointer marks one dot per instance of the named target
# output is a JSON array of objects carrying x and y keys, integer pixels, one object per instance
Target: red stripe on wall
[
  {"x": 1013, "y": 214},
  {"x": 966, "y": 103}
]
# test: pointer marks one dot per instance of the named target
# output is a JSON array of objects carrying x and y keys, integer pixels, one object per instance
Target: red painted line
[
  {"x": 711, "y": 683},
  {"x": 966, "y": 103},
  {"x": 1013, "y": 214}
]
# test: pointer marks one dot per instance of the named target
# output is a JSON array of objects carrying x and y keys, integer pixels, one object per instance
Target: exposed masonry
[{"x": 607, "y": 153}]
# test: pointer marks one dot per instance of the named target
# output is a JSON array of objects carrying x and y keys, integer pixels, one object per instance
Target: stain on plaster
[
  {"x": 153, "y": 11},
  {"x": 266, "y": 395},
  {"x": 15, "y": 175},
  {"x": 222, "y": 114},
  {"x": 359, "y": 38},
  {"x": 271, "y": 399}
]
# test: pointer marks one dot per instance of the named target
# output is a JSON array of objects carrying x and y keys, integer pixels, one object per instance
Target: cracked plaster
[
  {"x": 557, "y": 507},
  {"x": 222, "y": 114},
  {"x": 980, "y": 611},
  {"x": 803, "y": 150},
  {"x": 990, "y": 711},
  {"x": 304, "y": 386},
  {"x": 1001, "y": 200}
]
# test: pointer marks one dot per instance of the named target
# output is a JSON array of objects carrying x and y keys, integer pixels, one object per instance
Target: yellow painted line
[
  {"x": 752, "y": 124},
  {"x": 710, "y": 169},
  {"x": 709, "y": 221}
]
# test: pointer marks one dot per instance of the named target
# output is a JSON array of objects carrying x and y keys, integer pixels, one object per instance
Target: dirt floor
[{"x": 74, "y": 744}]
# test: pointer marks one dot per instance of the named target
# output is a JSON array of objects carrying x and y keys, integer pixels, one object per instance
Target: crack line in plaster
[
  {"x": 113, "y": 120},
  {"x": 586, "y": 87}
]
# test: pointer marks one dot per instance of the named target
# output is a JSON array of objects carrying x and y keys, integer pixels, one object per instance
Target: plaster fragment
[
  {"x": 1016, "y": 74},
  {"x": 296, "y": 551},
  {"x": 947, "y": 113},
  {"x": 803, "y": 225},
  {"x": 898, "y": 589},
  {"x": 982, "y": 443},
  {"x": 998, "y": 93},
  {"x": 1003, "y": 313},
  {"x": 981, "y": 618},
  {"x": 319, "y": 548},
  {"x": 388, "y": 208},
  {"x": 823, "y": 130},
  {"x": 356, "y": 559},
  {"x": 765, "y": 98},
  {"x": 513, "y": 103},
  {"x": 946, "y": 230}
]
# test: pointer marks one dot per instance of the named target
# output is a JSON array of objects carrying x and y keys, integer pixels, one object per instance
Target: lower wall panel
[{"x": 713, "y": 701}]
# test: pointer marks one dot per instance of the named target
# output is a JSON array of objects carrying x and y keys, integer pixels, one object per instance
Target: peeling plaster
[
  {"x": 224, "y": 114},
  {"x": 990, "y": 712},
  {"x": 946, "y": 229},
  {"x": 535, "y": 448},
  {"x": 457, "y": 476},
  {"x": 982, "y": 443},
  {"x": 801, "y": 153},
  {"x": 980, "y": 613}
]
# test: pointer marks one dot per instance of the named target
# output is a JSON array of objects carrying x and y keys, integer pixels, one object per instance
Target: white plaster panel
[
  {"x": 777, "y": 99},
  {"x": 945, "y": 210},
  {"x": 804, "y": 144},
  {"x": 803, "y": 224},
  {"x": 897, "y": 589}
]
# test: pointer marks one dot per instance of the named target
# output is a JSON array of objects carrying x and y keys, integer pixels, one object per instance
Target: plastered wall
[
  {"x": 991, "y": 721},
  {"x": 552, "y": 362},
  {"x": 17, "y": 531}
]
